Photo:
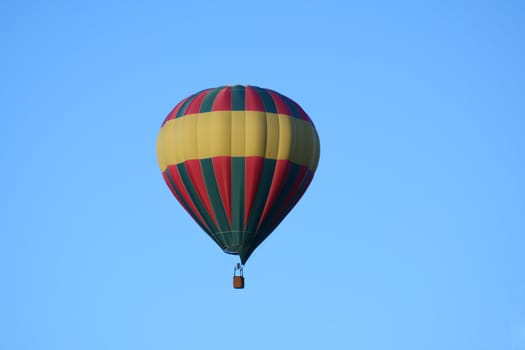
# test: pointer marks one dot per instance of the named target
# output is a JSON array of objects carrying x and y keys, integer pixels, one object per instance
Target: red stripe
[
  {"x": 222, "y": 167},
  {"x": 195, "y": 104},
  {"x": 223, "y": 100},
  {"x": 253, "y": 170},
  {"x": 301, "y": 190},
  {"x": 254, "y": 101},
  {"x": 194, "y": 169},
  {"x": 186, "y": 198},
  {"x": 302, "y": 172},
  {"x": 280, "y": 175},
  {"x": 280, "y": 104},
  {"x": 174, "y": 111},
  {"x": 299, "y": 187}
]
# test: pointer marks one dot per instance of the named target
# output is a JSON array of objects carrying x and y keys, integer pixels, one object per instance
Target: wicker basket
[{"x": 238, "y": 282}]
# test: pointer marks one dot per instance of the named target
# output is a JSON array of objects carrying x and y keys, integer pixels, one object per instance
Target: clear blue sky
[{"x": 411, "y": 236}]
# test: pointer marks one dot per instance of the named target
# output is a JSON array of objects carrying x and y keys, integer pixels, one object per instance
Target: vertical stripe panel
[
  {"x": 254, "y": 101},
  {"x": 238, "y": 132},
  {"x": 173, "y": 175},
  {"x": 285, "y": 136},
  {"x": 281, "y": 106},
  {"x": 292, "y": 107},
  {"x": 203, "y": 136},
  {"x": 192, "y": 191},
  {"x": 286, "y": 200},
  {"x": 195, "y": 105},
  {"x": 223, "y": 100},
  {"x": 269, "y": 105},
  {"x": 238, "y": 98},
  {"x": 221, "y": 133},
  {"x": 179, "y": 196},
  {"x": 237, "y": 188},
  {"x": 214, "y": 196},
  {"x": 223, "y": 169},
  {"x": 276, "y": 211},
  {"x": 208, "y": 100},
  {"x": 264, "y": 183},
  {"x": 294, "y": 199},
  {"x": 182, "y": 109},
  {"x": 314, "y": 162},
  {"x": 272, "y": 136},
  {"x": 301, "y": 114},
  {"x": 189, "y": 137},
  {"x": 255, "y": 134},
  {"x": 253, "y": 174},
  {"x": 298, "y": 140},
  {"x": 196, "y": 175},
  {"x": 280, "y": 176}
]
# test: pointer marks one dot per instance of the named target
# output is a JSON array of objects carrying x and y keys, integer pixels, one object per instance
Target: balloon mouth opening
[{"x": 232, "y": 252}]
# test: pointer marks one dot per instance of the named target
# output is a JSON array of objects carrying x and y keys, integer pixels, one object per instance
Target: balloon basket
[
  {"x": 238, "y": 277},
  {"x": 238, "y": 282}
]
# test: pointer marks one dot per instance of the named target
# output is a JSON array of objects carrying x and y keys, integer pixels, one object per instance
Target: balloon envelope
[{"x": 238, "y": 159}]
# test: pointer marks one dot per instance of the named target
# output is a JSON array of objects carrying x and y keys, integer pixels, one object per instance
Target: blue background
[{"x": 411, "y": 235}]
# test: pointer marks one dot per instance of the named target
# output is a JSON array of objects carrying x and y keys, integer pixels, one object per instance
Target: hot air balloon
[{"x": 238, "y": 159}]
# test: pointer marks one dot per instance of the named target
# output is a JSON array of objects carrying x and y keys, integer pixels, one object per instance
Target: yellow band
[{"x": 238, "y": 134}]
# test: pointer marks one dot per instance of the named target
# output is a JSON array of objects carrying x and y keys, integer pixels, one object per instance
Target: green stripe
[
  {"x": 269, "y": 104},
  {"x": 237, "y": 189},
  {"x": 195, "y": 197},
  {"x": 238, "y": 98},
  {"x": 301, "y": 190},
  {"x": 295, "y": 112},
  {"x": 263, "y": 188},
  {"x": 207, "y": 102},
  {"x": 182, "y": 110},
  {"x": 215, "y": 198}
]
